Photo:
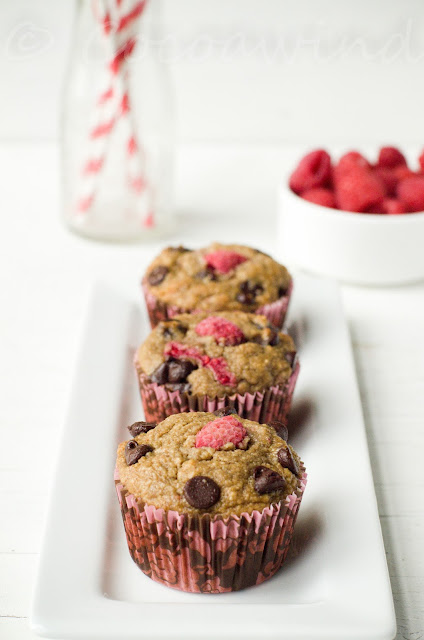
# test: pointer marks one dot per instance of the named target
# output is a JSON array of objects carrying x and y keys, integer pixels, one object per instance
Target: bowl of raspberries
[{"x": 354, "y": 219}]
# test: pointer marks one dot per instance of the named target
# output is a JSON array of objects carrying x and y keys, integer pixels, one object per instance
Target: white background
[{"x": 244, "y": 113}]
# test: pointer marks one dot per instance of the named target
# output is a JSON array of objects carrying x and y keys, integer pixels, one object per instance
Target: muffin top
[
  {"x": 197, "y": 463},
  {"x": 216, "y": 355},
  {"x": 215, "y": 278}
]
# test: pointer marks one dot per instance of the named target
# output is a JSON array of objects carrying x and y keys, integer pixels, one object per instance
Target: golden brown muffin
[
  {"x": 215, "y": 278},
  {"x": 195, "y": 463},
  {"x": 217, "y": 355}
]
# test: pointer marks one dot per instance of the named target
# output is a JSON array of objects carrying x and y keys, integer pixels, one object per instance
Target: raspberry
[
  {"x": 349, "y": 160},
  {"x": 358, "y": 189},
  {"x": 392, "y": 206},
  {"x": 224, "y": 260},
  {"x": 388, "y": 179},
  {"x": 218, "y": 366},
  {"x": 220, "y": 370},
  {"x": 401, "y": 172},
  {"x": 314, "y": 170},
  {"x": 224, "y": 331},
  {"x": 390, "y": 157},
  {"x": 321, "y": 196},
  {"x": 375, "y": 208},
  {"x": 411, "y": 192},
  {"x": 220, "y": 432},
  {"x": 179, "y": 351},
  {"x": 421, "y": 160}
]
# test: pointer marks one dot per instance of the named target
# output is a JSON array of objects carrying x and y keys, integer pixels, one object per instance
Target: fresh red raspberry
[
  {"x": 388, "y": 179},
  {"x": 390, "y": 157},
  {"x": 180, "y": 351},
  {"x": 401, "y": 172},
  {"x": 220, "y": 370},
  {"x": 421, "y": 160},
  {"x": 375, "y": 208},
  {"x": 349, "y": 160},
  {"x": 218, "y": 366},
  {"x": 358, "y": 190},
  {"x": 224, "y": 331},
  {"x": 220, "y": 432},
  {"x": 224, "y": 260},
  {"x": 411, "y": 192},
  {"x": 314, "y": 170},
  {"x": 393, "y": 206},
  {"x": 321, "y": 196}
]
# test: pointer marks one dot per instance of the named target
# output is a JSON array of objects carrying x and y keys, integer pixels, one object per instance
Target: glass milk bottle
[{"x": 117, "y": 125}]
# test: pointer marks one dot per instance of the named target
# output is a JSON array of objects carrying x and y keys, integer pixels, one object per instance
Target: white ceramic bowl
[{"x": 357, "y": 248}]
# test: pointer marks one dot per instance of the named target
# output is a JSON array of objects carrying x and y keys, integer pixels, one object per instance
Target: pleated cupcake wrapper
[
  {"x": 159, "y": 311},
  {"x": 260, "y": 406},
  {"x": 204, "y": 554}
]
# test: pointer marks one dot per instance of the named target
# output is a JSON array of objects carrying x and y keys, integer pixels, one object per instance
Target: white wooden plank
[
  {"x": 400, "y": 499},
  {"x": 409, "y": 605},
  {"x": 403, "y": 538}
]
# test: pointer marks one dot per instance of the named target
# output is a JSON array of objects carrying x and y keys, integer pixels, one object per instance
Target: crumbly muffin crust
[
  {"x": 181, "y": 278},
  {"x": 160, "y": 476},
  {"x": 264, "y": 357}
]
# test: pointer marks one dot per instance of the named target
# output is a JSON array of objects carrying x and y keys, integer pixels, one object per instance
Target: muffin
[
  {"x": 199, "y": 362},
  {"x": 208, "y": 503},
  {"x": 217, "y": 278}
]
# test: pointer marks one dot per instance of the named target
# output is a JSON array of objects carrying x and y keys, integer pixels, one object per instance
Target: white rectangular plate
[{"x": 335, "y": 583}]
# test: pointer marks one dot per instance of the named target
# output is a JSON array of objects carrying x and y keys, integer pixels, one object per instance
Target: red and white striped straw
[{"x": 119, "y": 20}]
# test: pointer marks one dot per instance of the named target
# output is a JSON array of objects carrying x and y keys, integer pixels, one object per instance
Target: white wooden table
[{"x": 46, "y": 274}]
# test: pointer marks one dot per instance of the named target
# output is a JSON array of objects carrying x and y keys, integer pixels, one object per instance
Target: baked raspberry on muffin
[
  {"x": 217, "y": 278},
  {"x": 208, "y": 502},
  {"x": 201, "y": 362}
]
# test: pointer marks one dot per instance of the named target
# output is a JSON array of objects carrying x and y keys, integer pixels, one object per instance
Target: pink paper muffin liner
[
  {"x": 204, "y": 554},
  {"x": 261, "y": 406},
  {"x": 159, "y": 311}
]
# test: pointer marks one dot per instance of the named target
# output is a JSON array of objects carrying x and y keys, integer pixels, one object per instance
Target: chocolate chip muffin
[
  {"x": 197, "y": 479},
  {"x": 197, "y": 362},
  {"x": 216, "y": 278}
]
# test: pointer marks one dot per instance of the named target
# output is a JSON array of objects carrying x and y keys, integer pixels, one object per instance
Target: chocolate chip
[
  {"x": 244, "y": 298},
  {"x": 202, "y": 492},
  {"x": 141, "y": 427},
  {"x": 179, "y": 327},
  {"x": 290, "y": 357},
  {"x": 286, "y": 459},
  {"x": 160, "y": 374},
  {"x": 157, "y": 275},
  {"x": 225, "y": 411},
  {"x": 134, "y": 451},
  {"x": 170, "y": 328},
  {"x": 175, "y": 372},
  {"x": 180, "y": 249},
  {"x": 245, "y": 286},
  {"x": 274, "y": 337},
  {"x": 282, "y": 291},
  {"x": 267, "y": 480},
  {"x": 178, "y": 370},
  {"x": 206, "y": 273},
  {"x": 248, "y": 291},
  {"x": 280, "y": 429},
  {"x": 182, "y": 387},
  {"x": 269, "y": 337}
]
